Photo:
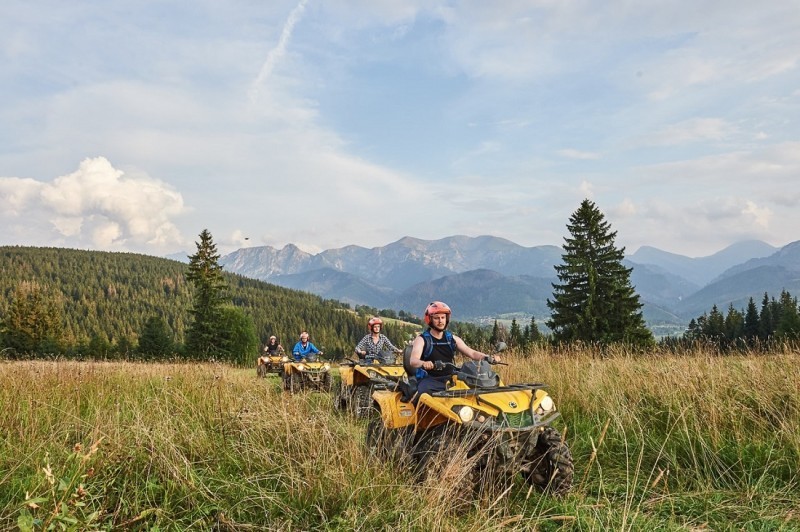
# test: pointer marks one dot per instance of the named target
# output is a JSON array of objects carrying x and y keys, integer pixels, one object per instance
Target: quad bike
[
  {"x": 271, "y": 364},
  {"x": 307, "y": 374},
  {"x": 479, "y": 426},
  {"x": 359, "y": 378}
]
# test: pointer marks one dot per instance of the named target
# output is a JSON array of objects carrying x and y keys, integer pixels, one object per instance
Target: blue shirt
[{"x": 299, "y": 352}]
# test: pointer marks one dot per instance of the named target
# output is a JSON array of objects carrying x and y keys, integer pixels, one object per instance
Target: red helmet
[
  {"x": 375, "y": 321},
  {"x": 437, "y": 307}
]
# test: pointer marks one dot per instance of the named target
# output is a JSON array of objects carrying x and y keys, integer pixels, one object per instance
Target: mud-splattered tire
[
  {"x": 376, "y": 438},
  {"x": 551, "y": 468},
  {"x": 287, "y": 384},
  {"x": 361, "y": 401},
  {"x": 295, "y": 384},
  {"x": 442, "y": 454},
  {"x": 385, "y": 444},
  {"x": 261, "y": 370},
  {"x": 326, "y": 384},
  {"x": 339, "y": 402}
]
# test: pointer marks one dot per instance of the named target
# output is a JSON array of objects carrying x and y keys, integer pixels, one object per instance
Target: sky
[{"x": 135, "y": 125}]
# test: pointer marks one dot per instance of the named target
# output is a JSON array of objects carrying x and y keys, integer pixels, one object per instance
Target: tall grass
[{"x": 662, "y": 441}]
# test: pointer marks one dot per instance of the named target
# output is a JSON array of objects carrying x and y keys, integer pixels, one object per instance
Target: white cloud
[
  {"x": 761, "y": 215},
  {"x": 98, "y": 205},
  {"x": 277, "y": 53},
  {"x": 587, "y": 189},
  {"x": 570, "y": 153},
  {"x": 693, "y": 130}
]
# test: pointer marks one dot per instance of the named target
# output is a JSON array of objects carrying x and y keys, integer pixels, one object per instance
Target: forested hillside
[{"x": 105, "y": 299}]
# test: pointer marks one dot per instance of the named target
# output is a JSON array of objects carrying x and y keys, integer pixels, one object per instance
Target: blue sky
[{"x": 132, "y": 126}]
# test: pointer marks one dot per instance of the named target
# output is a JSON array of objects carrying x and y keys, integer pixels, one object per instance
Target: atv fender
[
  {"x": 431, "y": 413},
  {"x": 346, "y": 373},
  {"x": 394, "y": 412}
]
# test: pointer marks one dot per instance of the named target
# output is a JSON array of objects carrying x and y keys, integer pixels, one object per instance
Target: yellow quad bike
[
  {"x": 271, "y": 364},
  {"x": 360, "y": 378},
  {"x": 307, "y": 374},
  {"x": 495, "y": 431}
]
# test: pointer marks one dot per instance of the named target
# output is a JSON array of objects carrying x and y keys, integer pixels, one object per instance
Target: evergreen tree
[
  {"x": 788, "y": 327},
  {"x": 766, "y": 319},
  {"x": 495, "y": 337},
  {"x": 240, "y": 341},
  {"x": 734, "y": 324},
  {"x": 751, "y": 324},
  {"x": 155, "y": 341},
  {"x": 205, "y": 337},
  {"x": 33, "y": 320},
  {"x": 693, "y": 331},
  {"x": 535, "y": 335},
  {"x": 595, "y": 302},
  {"x": 715, "y": 325},
  {"x": 515, "y": 334}
]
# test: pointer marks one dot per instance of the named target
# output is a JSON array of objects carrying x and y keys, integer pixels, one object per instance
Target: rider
[
  {"x": 273, "y": 347},
  {"x": 303, "y": 348},
  {"x": 438, "y": 344},
  {"x": 371, "y": 346}
]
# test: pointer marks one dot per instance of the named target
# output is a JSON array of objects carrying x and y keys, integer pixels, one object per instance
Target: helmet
[
  {"x": 437, "y": 307},
  {"x": 375, "y": 321}
]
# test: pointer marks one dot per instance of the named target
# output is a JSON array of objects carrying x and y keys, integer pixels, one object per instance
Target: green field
[{"x": 660, "y": 442}]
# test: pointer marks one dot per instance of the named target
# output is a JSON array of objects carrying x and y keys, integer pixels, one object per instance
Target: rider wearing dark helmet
[
  {"x": 438, "y": 344},
  {"x": 373, "y": 344}
]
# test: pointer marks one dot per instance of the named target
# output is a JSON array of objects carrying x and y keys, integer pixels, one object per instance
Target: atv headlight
[
  {"x": 465, "y": 413},
  {"x": 326, "y": 366},
  {"x": 371, "y": 373},
  {"x": 300, "y": 367},
  {"x": 546, "y": 405},
  {"x": 285, "y": 359}
]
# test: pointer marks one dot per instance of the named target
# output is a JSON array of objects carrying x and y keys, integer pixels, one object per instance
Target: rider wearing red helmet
[
  {"x": 438, "y": 344},
  {"x": 373, "y": 344}
]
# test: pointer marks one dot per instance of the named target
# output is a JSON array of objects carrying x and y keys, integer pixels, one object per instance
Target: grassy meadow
[{"x": 663, "y": 442}]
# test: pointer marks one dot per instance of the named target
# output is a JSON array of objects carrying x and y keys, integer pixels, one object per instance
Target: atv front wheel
[
  {"x": 551, "y": 466},
  {"x": 361, "y": 403},
  {"x": 294, "y": 383},
  {"x": 383, "y": 443},
  {"x": 325, "y": 385}
]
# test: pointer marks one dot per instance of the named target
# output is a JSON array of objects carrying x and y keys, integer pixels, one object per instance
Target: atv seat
[{"x": 408, "y": 387}]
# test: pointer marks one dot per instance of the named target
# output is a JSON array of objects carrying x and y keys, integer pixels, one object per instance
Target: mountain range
[{"x": 487, "y": 277}]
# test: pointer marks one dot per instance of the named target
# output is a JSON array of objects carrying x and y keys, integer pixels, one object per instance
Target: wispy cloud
[
  {"x": 277, "y": 53},
  {"x": 693, "y": 130},
  {"x": 570, "y": 153}
]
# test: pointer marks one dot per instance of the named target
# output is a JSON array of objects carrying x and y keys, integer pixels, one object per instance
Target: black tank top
[
  {"x": 441, "y": 351},
  {"x": 272, "y": 349}
]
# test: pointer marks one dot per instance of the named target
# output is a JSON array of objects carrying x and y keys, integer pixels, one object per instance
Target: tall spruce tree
[
  {"x": 751, "y": 324},
  {"x": 205, "y": 336},
  {"x": 595, "y": 302}
]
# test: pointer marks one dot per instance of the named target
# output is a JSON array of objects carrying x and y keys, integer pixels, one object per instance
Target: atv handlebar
[{"x": 439, "y": 365}]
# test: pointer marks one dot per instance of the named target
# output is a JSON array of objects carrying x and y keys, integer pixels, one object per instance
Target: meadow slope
[{"x": 659, "y": 442}]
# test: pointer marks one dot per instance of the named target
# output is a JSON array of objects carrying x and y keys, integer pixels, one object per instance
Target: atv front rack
[{"x": 490, "y": 389}]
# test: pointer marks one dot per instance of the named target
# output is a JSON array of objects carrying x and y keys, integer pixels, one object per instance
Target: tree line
[
  {"x": 76, "y": 303},
  {"x": 776, "y": 321}
]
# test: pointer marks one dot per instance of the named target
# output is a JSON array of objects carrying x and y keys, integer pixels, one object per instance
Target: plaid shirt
[{"x": 372, "y": 349}]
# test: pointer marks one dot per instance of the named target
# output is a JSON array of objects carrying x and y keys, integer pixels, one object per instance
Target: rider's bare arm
[
  {"x": 467, "y": 351},
  {"x": 415, "y": 360}
]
